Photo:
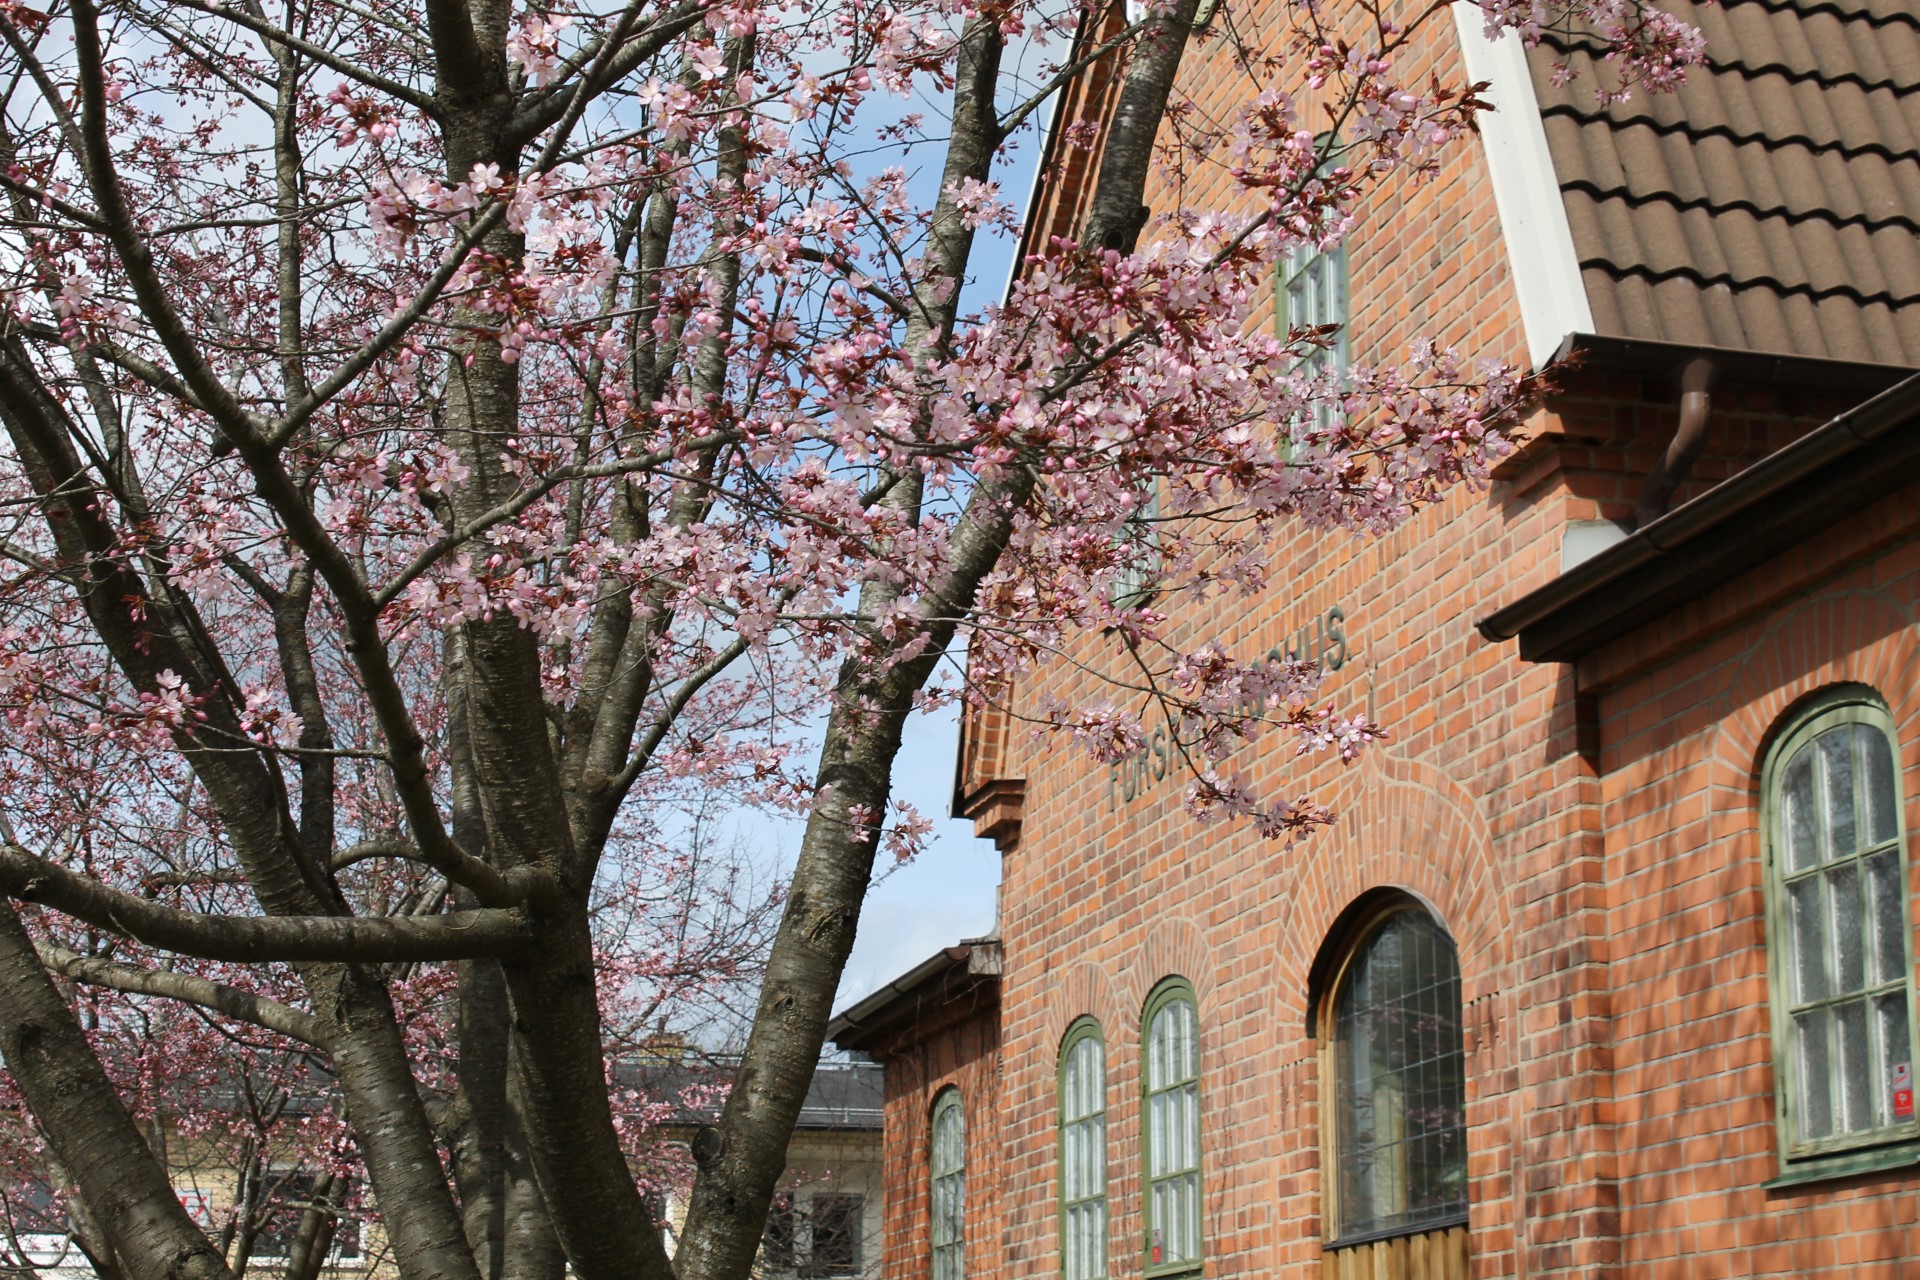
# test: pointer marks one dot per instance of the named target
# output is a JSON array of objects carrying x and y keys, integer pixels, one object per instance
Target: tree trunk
[{"x": 126, "y": 1191}]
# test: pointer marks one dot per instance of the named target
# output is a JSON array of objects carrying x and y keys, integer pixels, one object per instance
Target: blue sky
[
  {"x": 943, "y": 895},
  {"x": 947, "y": 893}
]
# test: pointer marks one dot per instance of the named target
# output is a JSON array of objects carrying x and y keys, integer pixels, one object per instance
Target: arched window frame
[
  {"x": 1083, "y": 1137},
  {"x": 1897, "y": 1139},
  {"x": 947, "y": 1184},
  {"x": 1361, "y": 928},
  {"x": 1170, "y": 992}
]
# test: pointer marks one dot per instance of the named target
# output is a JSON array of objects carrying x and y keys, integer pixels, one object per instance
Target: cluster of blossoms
[{"x": 373, "y": 452}]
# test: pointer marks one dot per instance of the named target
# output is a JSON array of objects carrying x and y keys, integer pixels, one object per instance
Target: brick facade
[{"x": 1588, "y": 834}]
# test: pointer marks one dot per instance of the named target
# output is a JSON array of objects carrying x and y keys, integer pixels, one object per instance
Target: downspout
[{"x": 1696, "y": 403}]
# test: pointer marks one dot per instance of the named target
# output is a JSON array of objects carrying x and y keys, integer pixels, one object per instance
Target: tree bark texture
[{"x": 125, "y": 1189}]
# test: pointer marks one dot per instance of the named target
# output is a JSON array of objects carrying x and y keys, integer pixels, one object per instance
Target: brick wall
[
  {"x": 956, "y": 1045},
  {"x": 1589, "y": 837},
  {"x": 1686, "y": 710}
]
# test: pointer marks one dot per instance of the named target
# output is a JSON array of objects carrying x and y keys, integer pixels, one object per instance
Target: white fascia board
[
  {"x": 1052, "y": 108},
  {"x": 1540, "y": 256}
]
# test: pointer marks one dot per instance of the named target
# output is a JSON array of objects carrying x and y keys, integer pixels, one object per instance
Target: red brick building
[{"x": 1607, "y": 968}]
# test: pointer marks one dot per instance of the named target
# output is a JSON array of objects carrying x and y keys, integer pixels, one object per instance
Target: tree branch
[
  {"x": 130, "y": 246},
  {"x": 243, "y": 1006},
  {"x": 423, "y": 102},
  {"x": 456, "y": 935}
]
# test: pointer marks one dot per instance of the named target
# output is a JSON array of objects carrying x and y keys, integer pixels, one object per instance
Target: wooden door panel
[{"x": 1431, "y": 1255}]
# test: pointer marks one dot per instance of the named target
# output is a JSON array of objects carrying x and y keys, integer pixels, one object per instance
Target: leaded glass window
[
  {"x": 1840, "y": 928},
  {"x": 1399, "y": 1089},
  {"x": 1313, "y": 294},
  {"x": 1171, "y": 1134},
  {"x": 1083, "y": 1153},
  {"x": 949, "y": 1165}
]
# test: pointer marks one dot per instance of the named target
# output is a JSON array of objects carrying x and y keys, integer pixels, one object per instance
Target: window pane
[
  {"x": 1845, "y": 929},
  {"x": 1849, "y": 924},
  {"x": 1400, "y": 1087},
  {"x": 949, "y": 1191},
  {"x": 1896, "y": 1050},
  {"x": 1173, "y": 1133},
  {"x": 1876, "y": 754},
  {"x": 1796, "y": 802},
  {"x": 1889, "y": 916},
  {"x": 1836, "y": 754},
  {"x": 1858, "y": 1090},
  {"x": 1816, "y": 1076},
  {"x": 1809, "y": 944},
  {"x": 1083, "y": 1157}
]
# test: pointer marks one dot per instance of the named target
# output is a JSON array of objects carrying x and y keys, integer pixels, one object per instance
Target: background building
[{"x": 826, "y": 1218}]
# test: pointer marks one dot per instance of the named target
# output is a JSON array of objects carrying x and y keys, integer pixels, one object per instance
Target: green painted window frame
[
  {"x": 1084, "y": 1031},
  {"x": 1135, "y": 585},
  {"x": 1169, "y": 992},
  {"x": 1887, "y": 1145},
  {"x": 948, "y": 1257},
  {"x": 1300, "y": 263}
]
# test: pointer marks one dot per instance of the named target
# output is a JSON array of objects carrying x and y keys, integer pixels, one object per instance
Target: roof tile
[{"x": 1773, "y": 203}]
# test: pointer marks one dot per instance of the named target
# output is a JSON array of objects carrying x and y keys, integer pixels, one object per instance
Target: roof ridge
[
  {"x": 1627, "y": 196},
  {"x": 1752, "y": 71},
  {"x": 1763, "y": 140},
  {"x": 1865, "y": 17},
  {"x": 1773, "y": 283}
]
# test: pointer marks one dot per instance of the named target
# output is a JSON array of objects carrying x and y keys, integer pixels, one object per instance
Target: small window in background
[
  {"x": 1313, "y": 293},
  {"x": 949, "y": 1192},
  {"x": 1083, "y": 1153},
  {"x": 1839, "y": 931},
  {"x": 1136, "y": 583},
  {"x": 835, "y": 1245}
]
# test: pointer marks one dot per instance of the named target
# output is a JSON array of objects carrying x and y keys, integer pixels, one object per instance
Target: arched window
[
  {"x": 1083, "y": 1153},
  {"x": 1398, "y": 1137},
  {"x": 1839, "y": 930},
  {"x": 1170, "y": 1135},
  {"x": 949, "y": 1166}
]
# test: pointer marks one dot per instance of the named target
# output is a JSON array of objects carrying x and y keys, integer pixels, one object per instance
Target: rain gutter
[{"x": 1832, "y": 472}]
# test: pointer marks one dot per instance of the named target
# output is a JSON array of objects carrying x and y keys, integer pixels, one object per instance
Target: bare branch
[
  {"x": 268, "y": 31},
  {"x": 243, "y": 1006},
  {"x": 457, "y": 935}
]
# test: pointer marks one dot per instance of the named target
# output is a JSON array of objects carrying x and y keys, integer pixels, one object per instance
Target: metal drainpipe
[{"x": 1696, "y": 403}]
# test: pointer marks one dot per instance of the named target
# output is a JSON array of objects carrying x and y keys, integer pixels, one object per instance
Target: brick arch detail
[
  {"x": 1084, "y": 991},
  {"x": 1172, "y": 946},
  {"x": 1410, "y": 827},
  {"x": 1842, "y": 637},
  {"x": 1858, "y": 637}
]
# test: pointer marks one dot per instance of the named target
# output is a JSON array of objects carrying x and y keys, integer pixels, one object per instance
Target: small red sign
[{"x": 1903, "y": 1091}]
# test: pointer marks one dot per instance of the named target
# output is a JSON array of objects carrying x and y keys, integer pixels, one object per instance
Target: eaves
[{"x": 1783, "y": 500}]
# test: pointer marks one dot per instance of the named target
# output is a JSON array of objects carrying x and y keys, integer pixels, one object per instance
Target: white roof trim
[
  {"x": 1045, "y": 135},
  {"x": 1540, "y": 256}
]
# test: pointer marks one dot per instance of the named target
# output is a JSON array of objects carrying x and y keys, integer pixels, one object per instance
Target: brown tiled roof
[{"x": 1773, "y": 203}]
